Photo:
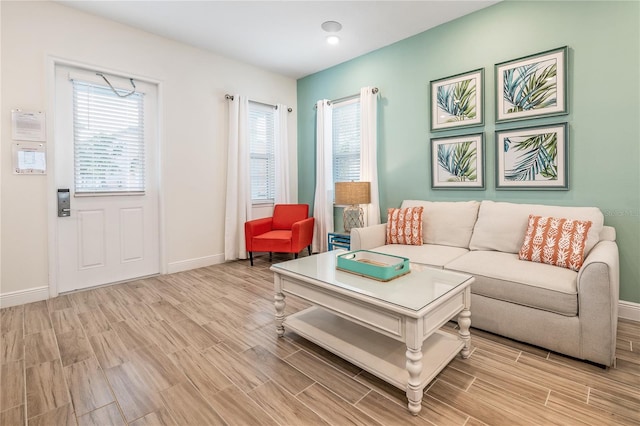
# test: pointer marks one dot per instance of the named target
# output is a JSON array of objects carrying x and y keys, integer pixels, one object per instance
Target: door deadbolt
[{"x": 64, "y": 203}]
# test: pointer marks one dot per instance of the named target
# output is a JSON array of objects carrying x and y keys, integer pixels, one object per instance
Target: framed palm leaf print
[
  {"x": 533, "y": 86},
  {"x": 458, "y": 162},
  {"x": 532, "y": 158},
  {"x": 457, "y": 101}
]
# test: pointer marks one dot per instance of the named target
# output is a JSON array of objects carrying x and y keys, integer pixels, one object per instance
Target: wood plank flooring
[{"x": 200, "y": 348}]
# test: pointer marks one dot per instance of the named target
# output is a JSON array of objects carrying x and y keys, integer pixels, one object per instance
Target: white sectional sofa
[{"x": 573, "y": 313}]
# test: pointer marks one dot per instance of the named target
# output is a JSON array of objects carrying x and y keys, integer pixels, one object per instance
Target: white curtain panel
[
  {"x": 323, "y": 201},
  {"x": 283, "y": 191},
  {"x": 369, "y": 152},
  {"x": 238, "y": 200}
]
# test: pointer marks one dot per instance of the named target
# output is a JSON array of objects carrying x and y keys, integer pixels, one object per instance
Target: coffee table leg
[
  {"x": 279, "y": 304},
  {"x": 464, "y": 322},
  {"x": 414, "y": 390}
]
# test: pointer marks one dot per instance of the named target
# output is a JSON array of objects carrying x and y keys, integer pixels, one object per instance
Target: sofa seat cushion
[
  {"x": 427, "y": 254},
  {"x": 504, "y": 277}
]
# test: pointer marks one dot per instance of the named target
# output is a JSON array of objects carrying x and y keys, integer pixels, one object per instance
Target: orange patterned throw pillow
[
  {"x": 404, "y": 226},
  {"x": 555, "y": 241}
]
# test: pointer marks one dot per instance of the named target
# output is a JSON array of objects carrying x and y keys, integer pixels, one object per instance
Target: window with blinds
[
  {"x": 108, "y": 132},
  {"x": 346, "y": 141},
  {"x": 262, "y": 149}
]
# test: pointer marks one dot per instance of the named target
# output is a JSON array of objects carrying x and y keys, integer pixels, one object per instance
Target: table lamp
[{"x": 351, "y": 195}]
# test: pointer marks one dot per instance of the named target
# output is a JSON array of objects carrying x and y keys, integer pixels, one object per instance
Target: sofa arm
[
  {"x": 369, "y": 237},
  {"x": 598, "y": 294}
]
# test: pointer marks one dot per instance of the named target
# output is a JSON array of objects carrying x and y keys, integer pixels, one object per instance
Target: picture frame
[
  {"x": 457, "y": 101},
  {"x": 533, "y": 157},
  {"x": 457, "y": 162},
  {"x": 532, "y": 86}
]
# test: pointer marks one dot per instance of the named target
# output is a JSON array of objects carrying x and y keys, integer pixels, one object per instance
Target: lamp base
[{"x": 352, "y": 217}]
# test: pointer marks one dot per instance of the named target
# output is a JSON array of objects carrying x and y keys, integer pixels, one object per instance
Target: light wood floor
[{"x": 200, "y": 348}]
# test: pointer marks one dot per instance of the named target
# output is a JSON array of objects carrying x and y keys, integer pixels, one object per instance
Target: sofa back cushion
[
  {"x": 502, "y": 226},
  {"x": 447, "y": 223}
]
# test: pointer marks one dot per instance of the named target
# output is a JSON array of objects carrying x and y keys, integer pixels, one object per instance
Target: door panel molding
[
  {"x": 131, "y": 234},
  {"x": 91, "y": 251}
]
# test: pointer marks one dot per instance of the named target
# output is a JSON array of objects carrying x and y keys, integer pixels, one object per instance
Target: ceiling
[{"x": 283, "y": 36}]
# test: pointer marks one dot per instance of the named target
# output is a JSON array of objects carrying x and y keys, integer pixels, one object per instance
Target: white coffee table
[{"x": 390, "y": 329}]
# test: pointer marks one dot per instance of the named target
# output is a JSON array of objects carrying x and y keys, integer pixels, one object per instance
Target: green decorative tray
[{"x": 371, "y": 264}]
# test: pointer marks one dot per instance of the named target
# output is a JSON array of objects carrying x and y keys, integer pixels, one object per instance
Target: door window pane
[{"x": 108, "y": 132}]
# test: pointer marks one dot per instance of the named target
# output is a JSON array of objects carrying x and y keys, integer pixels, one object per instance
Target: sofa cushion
[
  {"x": 448, "y": 223},
  {"x": 427, "y": 254},
  {"x": 555, "y": 241},
  {"x": 502, "y": 226},
  {"x": 504, "y": 277},
  {"x": 404, "y": 226}
]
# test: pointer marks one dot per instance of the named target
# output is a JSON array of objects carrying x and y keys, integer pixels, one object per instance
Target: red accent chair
[{"x": 290, "y": 230}]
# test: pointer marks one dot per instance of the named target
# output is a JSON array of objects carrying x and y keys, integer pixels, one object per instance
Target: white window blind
[
  {"x": 346, "y": 141},
  {"x": 108, "y": 132},
  {"x": 262, "y": 147}
]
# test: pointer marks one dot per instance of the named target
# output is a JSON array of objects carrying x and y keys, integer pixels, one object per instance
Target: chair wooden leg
[
  {"x": 251, "y": 257},
  {"x": 309, "y": 248},
  {"x": 295, "y": 255},
  {"x": 270, "y": 256}
]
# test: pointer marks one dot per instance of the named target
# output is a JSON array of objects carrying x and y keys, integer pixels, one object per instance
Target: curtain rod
[
  {"x": 374, "y": 90},
  {"x": 230, "y": 98}
]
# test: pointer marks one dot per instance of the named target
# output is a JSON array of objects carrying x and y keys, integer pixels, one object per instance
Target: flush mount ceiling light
[{"x": 332, "y": 27}]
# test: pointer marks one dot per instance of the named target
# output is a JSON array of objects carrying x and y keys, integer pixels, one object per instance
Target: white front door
[{"x": 112, "y": 232}]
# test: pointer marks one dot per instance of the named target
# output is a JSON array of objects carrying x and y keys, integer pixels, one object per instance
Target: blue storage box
[{"x": 371, "y": 264}]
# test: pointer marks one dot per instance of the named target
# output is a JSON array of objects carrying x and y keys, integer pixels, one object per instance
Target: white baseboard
[
  {"x": 629, "y": 310},
  {"x": 20, "y": 297},
  {"x": 200, "y": 262},
  {"x": 37, "y": 294}
]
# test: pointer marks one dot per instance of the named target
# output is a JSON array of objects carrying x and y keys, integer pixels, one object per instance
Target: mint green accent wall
[{"x": 604, "y": 98}]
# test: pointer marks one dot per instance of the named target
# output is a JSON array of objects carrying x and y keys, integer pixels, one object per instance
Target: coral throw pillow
[
  {"x": 555, "y": 241},
  {"x": 404, "y": 226}
]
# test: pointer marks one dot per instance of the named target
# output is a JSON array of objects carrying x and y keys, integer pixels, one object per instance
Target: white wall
[{"x": 193, "y": 129}]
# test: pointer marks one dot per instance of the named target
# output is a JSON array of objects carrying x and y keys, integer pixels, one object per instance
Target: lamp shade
[{"x": 350, "y": 193}]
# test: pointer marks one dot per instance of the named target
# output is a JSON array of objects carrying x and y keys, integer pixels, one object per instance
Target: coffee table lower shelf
[{"x": 376, "y": 353}]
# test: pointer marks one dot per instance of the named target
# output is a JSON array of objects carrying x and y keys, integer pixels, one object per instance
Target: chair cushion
[
  {"x": 504, "y": 277},
  {"x": 448, "y": 223},
  {"x": 285, "y": 215},
  {"x": 278, "y": 241}
]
